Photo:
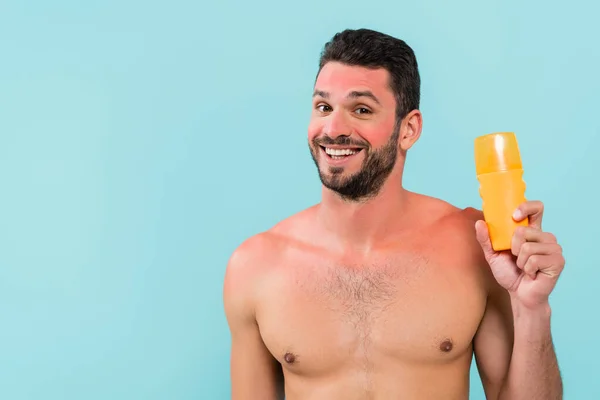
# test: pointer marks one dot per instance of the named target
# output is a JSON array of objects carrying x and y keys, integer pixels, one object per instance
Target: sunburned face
[{"x": 353, "y": 137}]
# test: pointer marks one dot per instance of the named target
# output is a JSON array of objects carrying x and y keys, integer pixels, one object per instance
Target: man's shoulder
[
  {"x": 254, "y": 258},
  {"x": 242, "y": 273},
  {"x": 454, "y": 224},
  {"x": 460, "y": 222},
  {"x": 253, "y": 252},
  {"x": 453, "y": 214},
  {"x": 261, "y": 249},
  {"x": 455, "y": 231},
  {"x": 471, "y": 214},
  {"x": 464, "y": 219}
]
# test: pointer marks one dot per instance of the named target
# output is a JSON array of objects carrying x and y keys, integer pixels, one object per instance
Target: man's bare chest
[{"x": 412, "y": 307}]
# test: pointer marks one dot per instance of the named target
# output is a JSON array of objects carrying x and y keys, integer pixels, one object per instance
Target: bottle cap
[{"x": 497, "y": 152}]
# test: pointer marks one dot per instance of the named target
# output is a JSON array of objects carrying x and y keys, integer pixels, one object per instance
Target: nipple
[
  {"x": 289, "y": 358},
  {"x": 446, "y": 346}
]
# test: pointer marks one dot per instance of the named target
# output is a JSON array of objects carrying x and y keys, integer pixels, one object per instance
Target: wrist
[
  {"x": 529, "y": 309},
  {"x": 532, "y": 321}
]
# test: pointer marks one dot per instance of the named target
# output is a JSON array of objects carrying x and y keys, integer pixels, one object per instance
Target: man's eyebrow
[
  {"x": 366, "y": 93},
  {"x": 352, "y": 95}
]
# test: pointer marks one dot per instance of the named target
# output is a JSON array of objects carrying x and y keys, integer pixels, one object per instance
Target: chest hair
[{"x": 360, "y": 294}]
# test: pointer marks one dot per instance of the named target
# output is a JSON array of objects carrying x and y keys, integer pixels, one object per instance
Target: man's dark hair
[{"x": 372, "y": 49}]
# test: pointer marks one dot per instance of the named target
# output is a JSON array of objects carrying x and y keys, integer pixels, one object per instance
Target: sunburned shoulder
[
  {"x": 454, "y": 233},
  {"x": 259, "y": 252},
  {"x": 444, "y": 212},
  {"x": 471, "y": 214},
  {"x": 462, "y": 226},
  {"x": 453, "y": 225},
  {"x": 460, "y": 223}
]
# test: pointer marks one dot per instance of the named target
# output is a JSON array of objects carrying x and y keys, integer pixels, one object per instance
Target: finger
[
  {"x": 534, "y": 210},
  {"x": 530, "y": 234},
  {"x": 525, "y": 234},
  {"x": 550, "y": 265},
  {"x": 483, "y": 237},
  {"x": 534, "y": 264},
  {"x": 517, "y": 240},
  {"x": 531, "y": 249}
]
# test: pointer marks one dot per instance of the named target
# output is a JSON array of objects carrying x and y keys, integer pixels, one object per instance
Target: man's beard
[{"x": 373, "y": 173}]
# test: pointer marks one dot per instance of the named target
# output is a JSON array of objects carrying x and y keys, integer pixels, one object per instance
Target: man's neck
[{"x": 364, "y": 224}]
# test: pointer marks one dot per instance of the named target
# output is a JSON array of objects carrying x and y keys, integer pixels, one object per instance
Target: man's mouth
[{"x": 340, "y": 153}]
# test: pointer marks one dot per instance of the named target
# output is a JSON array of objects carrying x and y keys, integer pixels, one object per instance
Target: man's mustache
[{"x": 339, "y": 141}]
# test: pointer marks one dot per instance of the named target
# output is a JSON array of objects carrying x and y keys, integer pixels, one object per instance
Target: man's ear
[{"x": 410, "y": 129}]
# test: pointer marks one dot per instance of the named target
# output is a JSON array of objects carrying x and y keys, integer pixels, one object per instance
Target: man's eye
[
  {"x": 363, "y": 110},
  {"x": 323, "y": 108}
]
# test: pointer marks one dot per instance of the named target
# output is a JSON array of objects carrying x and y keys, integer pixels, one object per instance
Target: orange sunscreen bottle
[{"x": 501, "y": 186}]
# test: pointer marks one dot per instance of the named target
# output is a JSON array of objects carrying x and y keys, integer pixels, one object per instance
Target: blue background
[{"x": 142, "y": 141}]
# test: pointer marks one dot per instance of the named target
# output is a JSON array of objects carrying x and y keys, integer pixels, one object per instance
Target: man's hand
[{"x": 531, "y": 269}]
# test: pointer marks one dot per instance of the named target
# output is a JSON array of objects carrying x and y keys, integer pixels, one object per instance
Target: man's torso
[{"x": 396, "y": 323}]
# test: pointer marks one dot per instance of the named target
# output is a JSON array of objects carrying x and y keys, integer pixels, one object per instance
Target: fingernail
[{"x": 517, "y": 214}]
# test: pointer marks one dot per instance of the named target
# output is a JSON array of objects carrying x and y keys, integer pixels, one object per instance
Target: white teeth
[{"x": 340, "y": 152}]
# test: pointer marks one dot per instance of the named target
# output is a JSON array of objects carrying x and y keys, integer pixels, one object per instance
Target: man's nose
[{"x": 337, "y": 125}]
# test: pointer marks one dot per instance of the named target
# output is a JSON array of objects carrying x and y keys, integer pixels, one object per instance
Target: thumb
[{"x": 483, "y": 237}]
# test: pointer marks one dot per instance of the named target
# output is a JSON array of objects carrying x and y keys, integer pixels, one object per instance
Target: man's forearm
[{"x": 533, "y": 373}]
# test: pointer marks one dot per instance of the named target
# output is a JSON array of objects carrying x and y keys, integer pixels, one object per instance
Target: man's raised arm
[
  {"x": 514, "y": 351},
  {"x": 514, "y": 345}
]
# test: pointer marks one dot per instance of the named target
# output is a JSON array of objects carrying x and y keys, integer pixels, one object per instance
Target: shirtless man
[{"x": 378, "y": 292}]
